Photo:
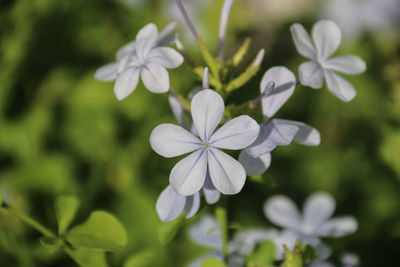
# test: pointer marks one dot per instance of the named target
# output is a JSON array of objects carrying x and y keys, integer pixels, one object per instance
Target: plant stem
[
  {"x": 187, "y": 19},
  {"x": 222, "y": 218},
  {"x": 182, "y": 100},
  {"x": 226, "y": 9}
]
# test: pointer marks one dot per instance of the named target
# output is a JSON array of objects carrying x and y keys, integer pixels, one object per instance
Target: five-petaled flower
[
  {"x": 188, "y": 175},
  {"x": 277, "y": 85},
  {"x": 326, "y": 38},
  {"x": 141, "y": 58}
]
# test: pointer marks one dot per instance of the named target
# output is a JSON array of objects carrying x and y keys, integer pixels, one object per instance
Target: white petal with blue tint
[
  {"x": 282, "y": 211},
  {"x": 177, "y": 110},
  {"x": 207, "y": 109},
  {"x": 145, "y": 40},
  {"x": 155, "y": 78},
  {"x": 338, "y": 227},
  {"x": 188, "y": 175},
  {"x": 303, "y": 42},
  {"x": 170, "y": 140},
  {"x": 211, "y": 194},
  {"x": 107, "y": 72},
  {"x": 206, "y": 233},
  {"x": 327, "y": 37},
  {"x": 311, "y": 74},
  {"x": 254, "y": 166},
  {"x": 227, "y": 174},
  {"x": 126, "y": 83},
  {"x": 238, "y": 133},
  {"x": 166, "y": 57},
  {"x": 339, "y": 86},
  {"x": 169, "y": 204},
  {"x": 192, "y": 205},
  {"x": 306, "y": 135},
  {"x": 318, "y": 208},
  {"x": 346, "y": 64}
]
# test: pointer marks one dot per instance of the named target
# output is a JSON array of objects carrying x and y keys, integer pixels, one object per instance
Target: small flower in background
[
  {"x": 188, "y": 175},
  {"x": 326, "y": 38},
  {"x": 277, "y": 85},
  {"x": 313, "y": 223},
  {"x": 141, "y": 58}
]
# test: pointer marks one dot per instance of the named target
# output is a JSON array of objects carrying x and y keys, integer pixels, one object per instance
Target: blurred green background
[{"x": 61, "y": 131}]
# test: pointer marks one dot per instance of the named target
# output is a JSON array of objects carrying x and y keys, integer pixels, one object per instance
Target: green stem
[
  {"x": 222, "y": 218},
  {"x": 26, "y": 219},
  {"x": 182, "y": 100}
]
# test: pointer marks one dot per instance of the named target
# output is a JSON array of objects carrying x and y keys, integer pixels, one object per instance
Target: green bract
[
  {"x": 263, "y": 256},
  {"x": 66, "y": 208}
]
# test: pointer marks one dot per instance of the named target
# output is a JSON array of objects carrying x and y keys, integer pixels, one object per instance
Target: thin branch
[
  {"x": 187, "y": 19},
  {"x": 226, "y": 10}
]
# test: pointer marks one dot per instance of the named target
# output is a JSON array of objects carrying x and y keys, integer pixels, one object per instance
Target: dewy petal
[
  {"x": 211, "y": 194},
  {"x": 236, "y": 134},
  {"x": 207, "y": 109},
  {"x": 107, "y": 72},
  {"x": 192, "y": 205},
  {"x": 145, "y": 40},
  {"x": 327, "y": 37},
  {"x": 346, "y": 64},
  {"x": 306, "y": 135},
  {"x": 227, "y": 174},
  {"x": 339, "y": 86},
  {"x": 188, "y": 175},
  {"x": 283, "y": 212},
  {"x": 303, "y": 42},
  {"x": 272, "y": 135},
  {"x": 169, "y": 140},
  {"x": 166, "y": 57},
  {"x": 126, "y": 83},
  {"x": 177, "y": 110},
  {"x": 169, "y": 204},
  {"x": 311, "y": 74},
  {"x": 155, "y": 78},
  {"x": 318, "y": 208},
  {"x": 338, "y": 227},
  {"x": 254, "y": 166},
  {"x": 284, "y": 81},
  {"x": 206, "y": 233}
]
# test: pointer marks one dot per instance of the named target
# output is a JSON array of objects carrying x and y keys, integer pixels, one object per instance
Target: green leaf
[
  {"x": 1, "y": 199},
  {"x": 213, "y": 262},
  {"x": 66, "y": 208},
  {"x": 51, "y": 242},
  {"x": 293, "y": 258},
  {"x": 87, "y": 257},
  {"x": 308, "y": 253},
  {"x": 168, "y": 230},
  {"x": 142, "y": 259},
  {"x": 263, "y": 256},
  {"x": 101, "y": 231}
]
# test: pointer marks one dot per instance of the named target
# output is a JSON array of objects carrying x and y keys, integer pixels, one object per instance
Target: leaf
[
  {"x": 87, "y": 257},
  {"x": 213, "y": 262},
  {"x": 1, "y": 199},
  {"x": 167, "y": 231},
  {"x": 66, "y": 208},
  {"x": 263, "y": 256},
  {"x": 51, "y": 242},
  {"x": 101, "y": 231},
  {"x": 308, "y": 253},
  {"x": 293, "y": 258},
  {"x": 142, "y": 259}
]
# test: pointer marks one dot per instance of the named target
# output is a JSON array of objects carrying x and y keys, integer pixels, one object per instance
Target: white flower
[
  {"x": 188, "y": 175},
  {"x": 315, "y": 222},
  {"x": 326, "y": 38},
  {"x": 278, "y": 84},
  {"x": 141, "y": 58}
]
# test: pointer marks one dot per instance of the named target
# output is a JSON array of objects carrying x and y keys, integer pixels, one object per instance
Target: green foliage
[
  {"x": 1, "y": 199},
  {"x": 66, "y": 208},
  {"x": 141, "y": 259},
  {"x": 87, "y": 257},
  {"x": 308, "y": 253},
  {"x": 263, "y": 255},
  {"x": 167, "y": 230},
  {"x": 293, "y": 258},
  {"x": 221, "y": 215},
  {"x": 212, "y": 262},
  {"x": 51, "y": 242},
  {"x": 101, "y": 231}
]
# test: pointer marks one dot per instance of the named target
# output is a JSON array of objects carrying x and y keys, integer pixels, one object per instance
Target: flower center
[{"x": 206, "y": 145}]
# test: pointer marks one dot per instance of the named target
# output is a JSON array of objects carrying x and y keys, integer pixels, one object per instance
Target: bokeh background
[{"x": 61, "y": 131}]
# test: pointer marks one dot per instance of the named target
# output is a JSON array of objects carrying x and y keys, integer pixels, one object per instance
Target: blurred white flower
[
  {"x": 277, "y": 85},
  {"x": 188, "y": 175},
  {"x": 141, "y": 58},
  {"x": 313, "y": 223},
  {"x": 326, "y": 38}
]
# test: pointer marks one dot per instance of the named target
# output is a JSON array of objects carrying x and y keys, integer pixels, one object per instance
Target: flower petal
[
  {"x": 166, "y": 57},
  {"x": 206, "y": 233},
  {"x": 318, "y": 208},
  {"x": 227, "y": 174},
  {"x": 177, "y": 110},
  {"x": 192, "y": 205},
  {"x": 126, "y": 50},
  {"x": 245, "y": 241},
  {"x": 327, "y": 37},
  {"x": 211, "y": 194},
  {"x": 207, "y": 109},
  {"x": 282, "y": 211},
  {"x": 311, "y": 74},
  {"x": 145, "y": 40},
  {"x": 303, "y": 42},
  {"x": 107, "y": 72},
  {"x": 339, "y": 86},
  {"x": 254, "y": 166},
  {"x": 188, "y": 175},
  {"x": 272, "y": 135},
  {"x": 284, "y": 81},
  {"x": 346, "y": 64},
  {"x": 155, "y": 78},
  {"x": 169, "y": 140},
  {"x": 169, "y": 204},
  {"x": 306, "y": 135},
  {"x": 238, "y": 133},
  {"x": 126, "y": 83},
  {"x": 338, "y": 227}
]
